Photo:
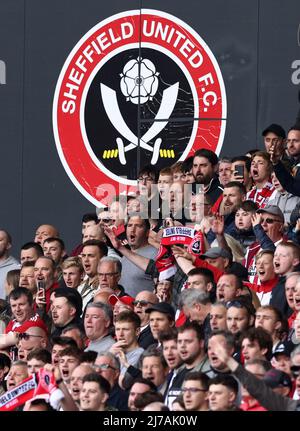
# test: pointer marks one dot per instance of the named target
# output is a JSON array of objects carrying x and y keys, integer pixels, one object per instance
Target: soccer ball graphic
[{"x": 139, "y": 87}]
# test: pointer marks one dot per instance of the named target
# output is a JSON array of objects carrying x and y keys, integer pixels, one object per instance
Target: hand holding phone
[
  {"x": 239, "y": 170},
  {"x": 41, "y": 294}
]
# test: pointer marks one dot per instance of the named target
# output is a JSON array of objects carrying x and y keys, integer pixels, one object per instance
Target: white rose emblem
[{"x": 137, "y": 86}]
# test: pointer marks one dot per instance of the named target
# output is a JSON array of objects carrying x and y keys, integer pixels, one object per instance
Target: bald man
[
  {"x": 45, "y": 231},
  {"x": 143, "y": 300}
]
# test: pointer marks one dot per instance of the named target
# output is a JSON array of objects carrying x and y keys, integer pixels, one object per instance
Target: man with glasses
[
  {"x": 268, "y": 226},
  {"x": 108, "y": 366},
  {"x": 147, "y": 188},
  {"x": 195, "y": 391},
  {"x": 32, "y": 335},
  {"x": 143, "y": 300},
  {"x": 109, "y": 274}
]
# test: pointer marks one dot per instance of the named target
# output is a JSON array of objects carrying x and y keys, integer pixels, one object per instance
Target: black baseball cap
[
  {"x": 162, "y": 307},
  {"x": 275, "y": 378},
  {"x": 284, "y": 348},
  {"x": 276, "y": 129}
]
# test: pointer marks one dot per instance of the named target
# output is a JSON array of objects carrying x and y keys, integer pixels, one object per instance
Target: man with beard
[
  {"x": 205, "y": 166},
  {"x": 190, "y": 344}
]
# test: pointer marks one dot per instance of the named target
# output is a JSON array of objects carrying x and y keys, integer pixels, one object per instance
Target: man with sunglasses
[
  {"x": 108, "y": 366},
  {"x": 268, "y": 226},
  {"x": 143, "y": 300},
  {"x": 32, "y": 335}
]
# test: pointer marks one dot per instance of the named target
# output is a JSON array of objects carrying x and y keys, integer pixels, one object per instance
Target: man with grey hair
[
  {"x": 224, "y": 171},
  {"x": 108, "y": 366},
  {"x": 97, "y": 323},
  {"x": 109, "y": 273},
  {"x": 196, "y": 305}
]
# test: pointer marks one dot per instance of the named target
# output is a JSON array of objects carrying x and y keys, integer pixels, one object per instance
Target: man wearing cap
[
  {"x": 279, "y": 381},
  {"x": 268, "y": 226},
  {"x": 281, "y": 358},
  {"x": 161, "y": 318},
  {"x": 217, "y": 257},
  {"x": 66, "y": 308},
  {"x": 274, "y": 136},
  {"x": 120, "y": 304}
]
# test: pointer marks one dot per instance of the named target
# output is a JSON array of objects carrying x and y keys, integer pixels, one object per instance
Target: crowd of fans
[{"x": 183, "y": 297}]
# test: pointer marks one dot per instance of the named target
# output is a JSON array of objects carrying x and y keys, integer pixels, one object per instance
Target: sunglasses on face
[
  {"x": 269, "y": 220},
  {"x": 142, "y": 303},
  {"x": 295, "y": 369},
  {"x": 103, "y": 367},
  {"x": 25, "y": 336}
]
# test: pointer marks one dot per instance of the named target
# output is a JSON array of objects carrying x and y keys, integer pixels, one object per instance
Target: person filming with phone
[{"x": 45, "y": 278}]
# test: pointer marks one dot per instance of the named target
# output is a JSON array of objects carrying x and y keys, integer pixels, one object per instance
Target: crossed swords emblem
[{"x": 113, "y": 112}]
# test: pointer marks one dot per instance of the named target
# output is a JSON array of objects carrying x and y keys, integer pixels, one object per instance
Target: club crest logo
[{"x": 141, "y": 87}]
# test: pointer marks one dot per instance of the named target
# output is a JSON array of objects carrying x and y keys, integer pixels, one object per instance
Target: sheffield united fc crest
[{"x": 139, "y": 88}]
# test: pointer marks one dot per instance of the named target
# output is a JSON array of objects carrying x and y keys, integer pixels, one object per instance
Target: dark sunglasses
[
  {"x": 142, "y": 303},
  {"x": 269, "y": 220},
  {"x": 105, "y": 220},
  {"x": 103, "y": 367},
  {"x": 26, "y": 336},
  {"x": 295, "y": 369}
]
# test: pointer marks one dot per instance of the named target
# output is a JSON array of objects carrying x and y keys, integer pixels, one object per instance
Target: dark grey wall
[{"x": 255, "y": 43}]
